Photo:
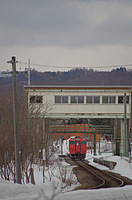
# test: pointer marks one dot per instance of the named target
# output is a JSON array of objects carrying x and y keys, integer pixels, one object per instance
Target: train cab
[{"x": 77, "y": 147}]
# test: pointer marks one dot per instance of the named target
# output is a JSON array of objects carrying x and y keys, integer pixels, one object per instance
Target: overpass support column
[
  {"x": 122, "y": 147},
  {"x": 117, "y": 136}
]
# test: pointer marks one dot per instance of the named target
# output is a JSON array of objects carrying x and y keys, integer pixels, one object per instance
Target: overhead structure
[{"x": 90, "y": 102}]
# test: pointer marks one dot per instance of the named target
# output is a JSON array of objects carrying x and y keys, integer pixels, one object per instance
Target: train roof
[{"x": 78, "y": 138}]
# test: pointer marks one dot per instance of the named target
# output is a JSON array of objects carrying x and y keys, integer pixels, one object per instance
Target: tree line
[{"x": 77, "y": 76}]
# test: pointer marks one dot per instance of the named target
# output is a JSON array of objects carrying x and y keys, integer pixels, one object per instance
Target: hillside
[{"x": 78, "y": 76}]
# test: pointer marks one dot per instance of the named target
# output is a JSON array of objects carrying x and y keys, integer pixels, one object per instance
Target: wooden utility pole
[
  {"x": 16, "y": 122},
  {"x": 130, "y": 140},
  {"x": 28, "y": 71}
]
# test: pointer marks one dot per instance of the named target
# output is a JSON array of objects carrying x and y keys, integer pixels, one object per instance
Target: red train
[{"x": 77, "y": 148}]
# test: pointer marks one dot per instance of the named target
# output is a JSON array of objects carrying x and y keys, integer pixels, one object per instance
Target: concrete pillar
[
  {"x": 122, "y": 147},
  {"x": 117, "y": 136}
]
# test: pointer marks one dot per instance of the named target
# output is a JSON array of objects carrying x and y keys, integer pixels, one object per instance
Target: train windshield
[
  {"x": 83, "y": 142},
  {"x": 78, "y": 143},
  {"x": 72, "y": 142}
]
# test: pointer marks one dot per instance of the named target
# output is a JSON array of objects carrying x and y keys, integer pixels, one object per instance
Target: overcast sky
[{"x": 66, "y": 33}]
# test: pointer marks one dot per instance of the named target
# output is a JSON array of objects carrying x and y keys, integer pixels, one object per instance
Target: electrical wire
[{"x": 69, "y": 67}]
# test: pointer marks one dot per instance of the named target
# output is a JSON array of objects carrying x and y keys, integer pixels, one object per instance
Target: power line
[
  {"x": 69, "y": 67},
  {"x": 42, "y": 65}
]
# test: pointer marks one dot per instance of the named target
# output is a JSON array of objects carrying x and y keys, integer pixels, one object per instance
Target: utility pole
[
  {"x": 125, "y": 124},
  {"x": 130, "y": 140},
  {"x": 28, "y": 71},
  {"x": 16, "y": 122},
  {"x": 43, "y": 149}
]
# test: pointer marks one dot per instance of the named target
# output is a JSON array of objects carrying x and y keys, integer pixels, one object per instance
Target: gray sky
[{"x": 66, "y": 33}]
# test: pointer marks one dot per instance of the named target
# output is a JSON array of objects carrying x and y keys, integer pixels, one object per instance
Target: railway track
[
  {"x": 95, "y": 178},
  {"x": 103, "y": 179}
]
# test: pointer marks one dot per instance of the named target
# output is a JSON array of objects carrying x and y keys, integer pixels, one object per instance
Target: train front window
[
  {"x": 83, "y": 142},
  {"x": 77, "y": 143},
  {"x": 72, "y": 142}
]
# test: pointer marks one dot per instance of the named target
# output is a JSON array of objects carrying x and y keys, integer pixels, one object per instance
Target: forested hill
[{"x": 79, "y": 76}]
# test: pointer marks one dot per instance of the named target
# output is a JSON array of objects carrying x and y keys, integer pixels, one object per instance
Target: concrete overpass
[{"x": 65, "y": 102}]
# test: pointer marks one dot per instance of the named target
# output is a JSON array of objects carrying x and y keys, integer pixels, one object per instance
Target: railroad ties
[{"x": 93, "y": 177}]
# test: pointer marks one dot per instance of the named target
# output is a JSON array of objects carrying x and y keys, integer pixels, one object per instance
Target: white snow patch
[{"x": 53, "y": 187}]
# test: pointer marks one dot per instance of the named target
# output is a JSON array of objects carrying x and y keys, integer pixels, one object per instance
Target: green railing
[{"x": 125, "y": 155}]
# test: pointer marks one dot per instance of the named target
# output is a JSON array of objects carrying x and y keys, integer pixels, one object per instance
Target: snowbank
[{"x": 54, "y": 189}]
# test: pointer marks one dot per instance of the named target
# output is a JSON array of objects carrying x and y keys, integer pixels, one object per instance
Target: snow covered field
[{"x": 53, "y": 188}]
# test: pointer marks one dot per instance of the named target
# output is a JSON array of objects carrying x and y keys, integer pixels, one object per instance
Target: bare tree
[
  {"x": 7, "y": 156},
  {"x": 31, "y": 136},
  {"x": 34, "y": 134}
]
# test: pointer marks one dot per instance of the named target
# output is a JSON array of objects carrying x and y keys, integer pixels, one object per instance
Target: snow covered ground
[{"x": 53, "y": 188}]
